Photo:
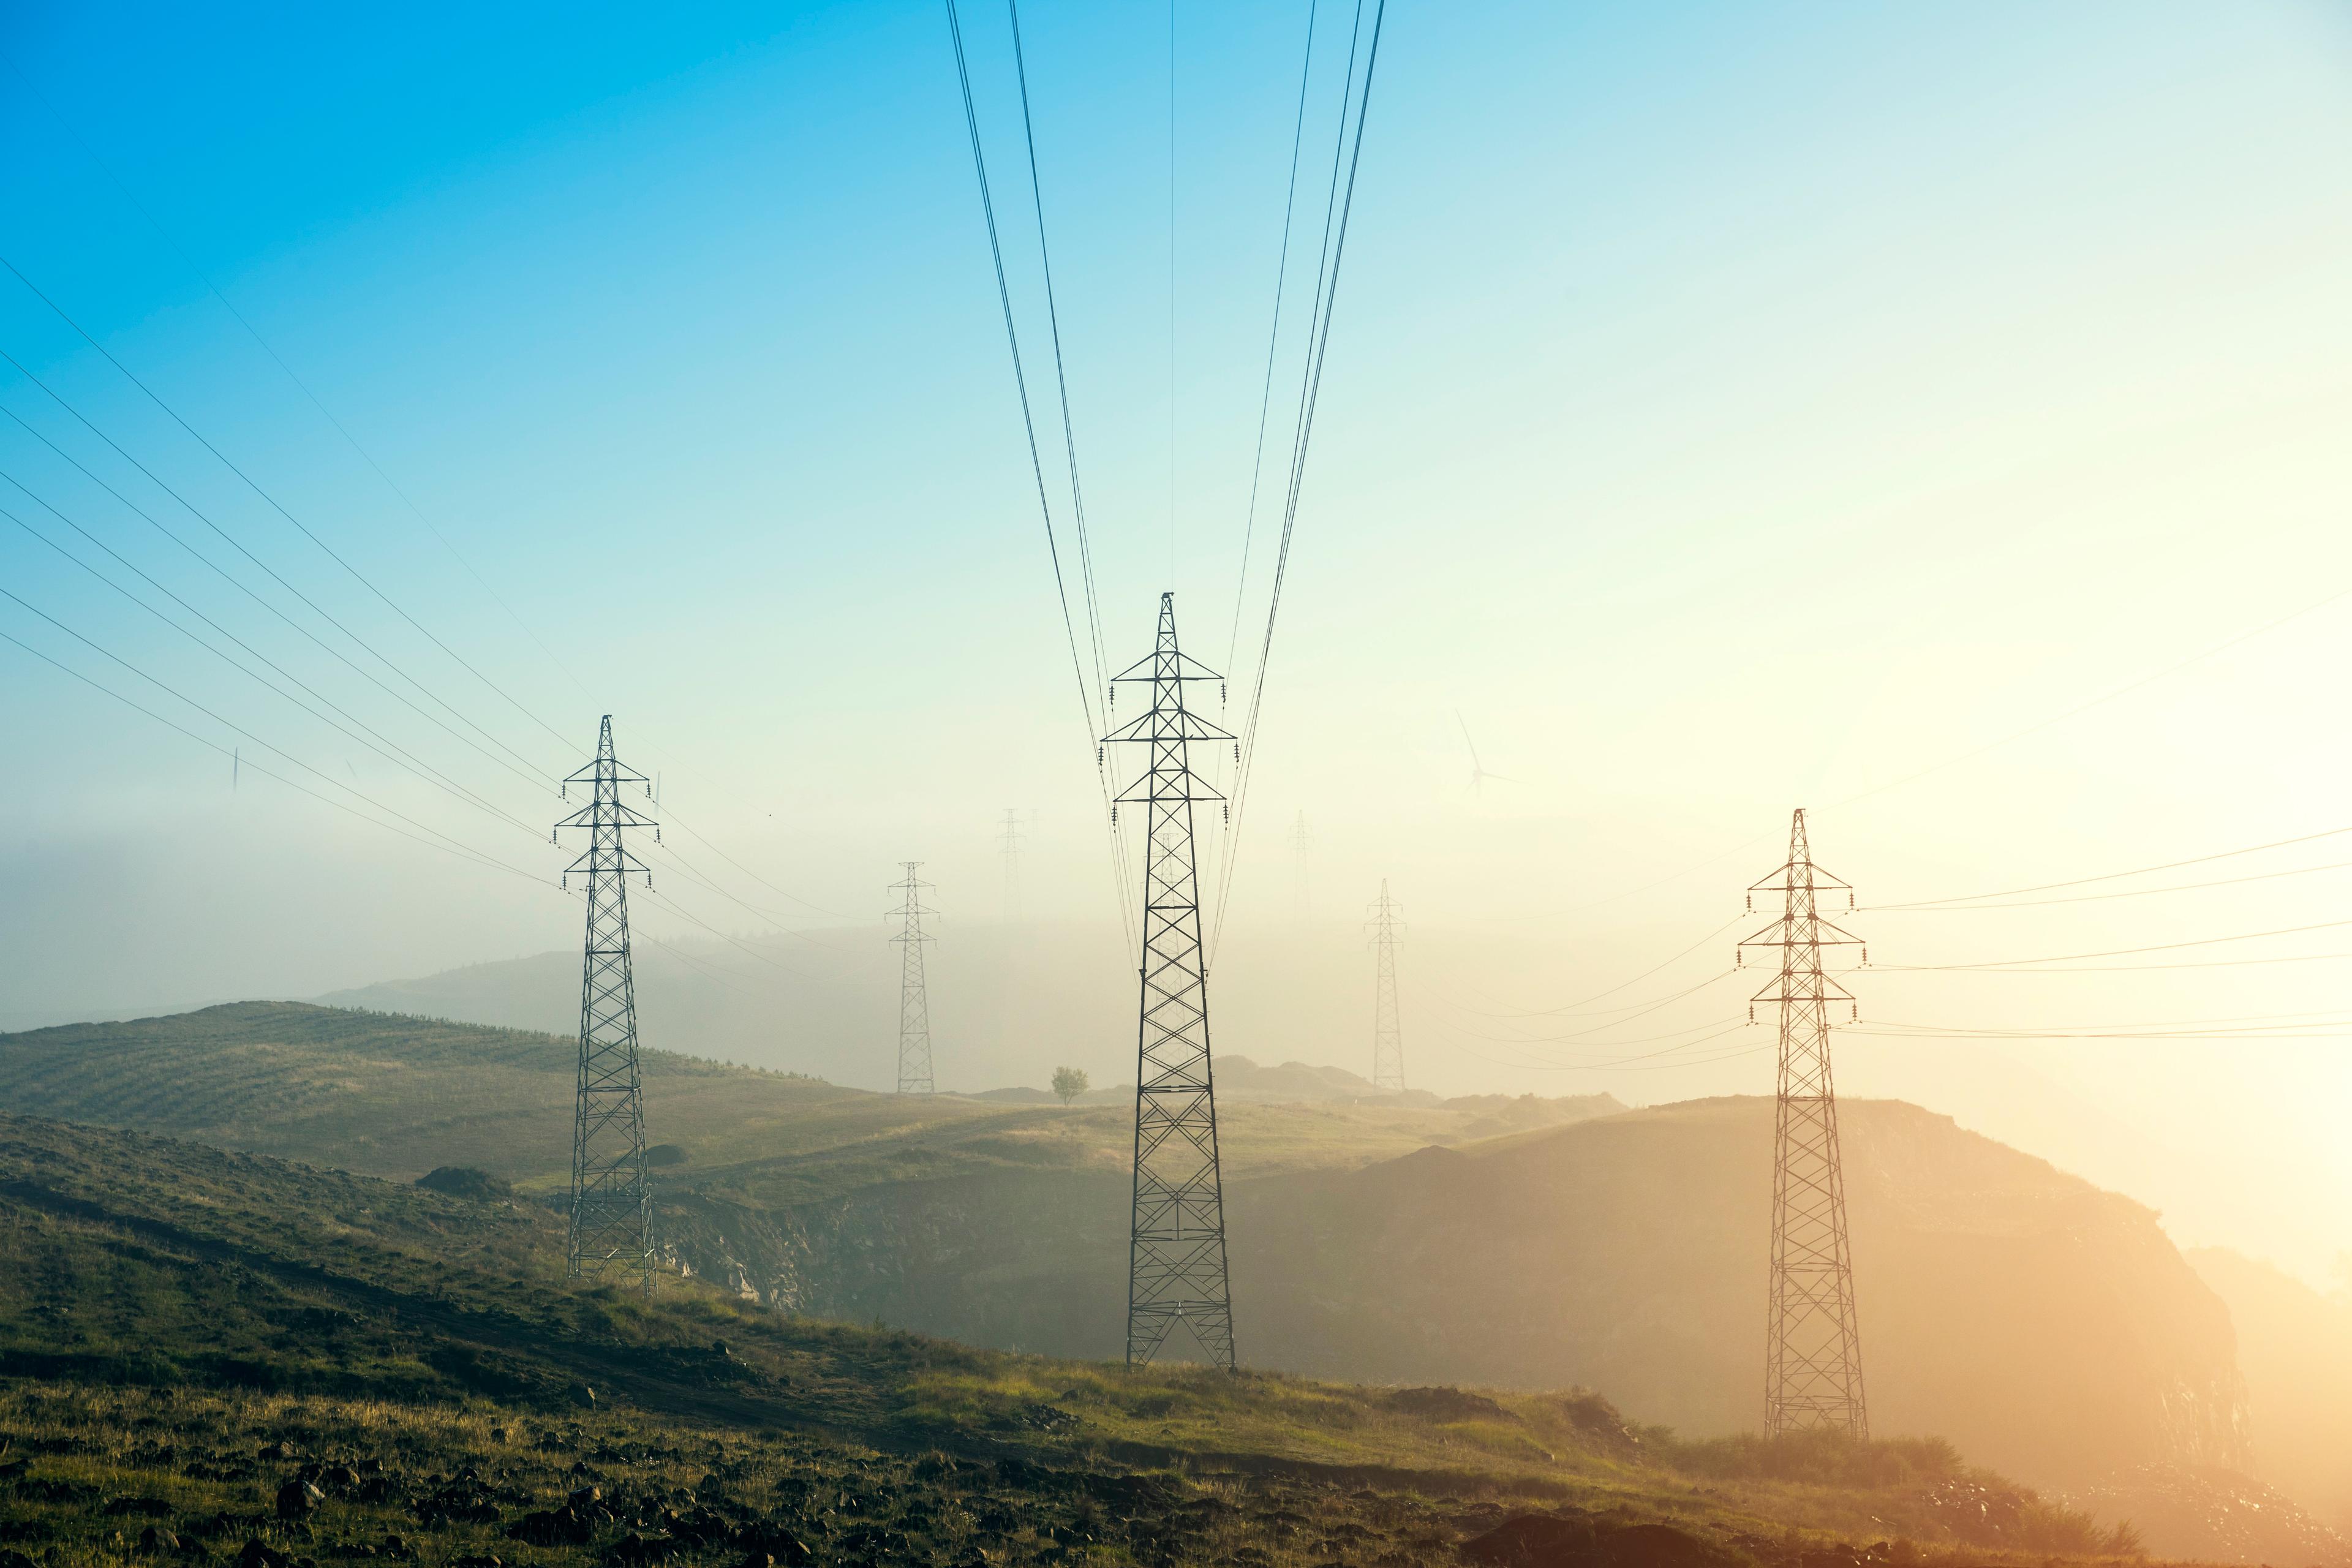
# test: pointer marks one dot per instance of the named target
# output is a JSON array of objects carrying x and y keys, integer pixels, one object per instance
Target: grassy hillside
[
  {"x": 192, "y": 1339},
  {"x": 2047, "y": 1326},
  {"x": 397, "y": 1096},
  {"x": 2038, "y": 1321},
  {"x": 2050, "y": 1328}
]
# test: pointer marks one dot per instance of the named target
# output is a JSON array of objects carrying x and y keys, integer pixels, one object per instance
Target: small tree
[{"x": 1069, "y": 1083}]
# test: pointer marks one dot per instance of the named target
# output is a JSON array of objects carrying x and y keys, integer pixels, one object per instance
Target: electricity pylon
[
  {"x": 914, "y": 1003},
  {"x": 1176, "y": 1252},
  {"x": 1008, "y": 839},
  {"x": 1300, "y": 841},
  {"x": 1812, "y": 1357},
  {"x": 612, "y": 1224},
  {"x": 1387, "y": 1031}
]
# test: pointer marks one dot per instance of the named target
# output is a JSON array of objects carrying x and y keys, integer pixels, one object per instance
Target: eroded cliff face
[{"x": 2049, "y": 1329}]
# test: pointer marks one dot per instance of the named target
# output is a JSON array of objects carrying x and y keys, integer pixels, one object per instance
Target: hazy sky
[{"x": 1728, "y": 408}]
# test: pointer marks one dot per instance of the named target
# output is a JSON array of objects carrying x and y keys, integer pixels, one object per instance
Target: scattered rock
[
  {"x": 259, "y": 1554},
  {"x": 580, "y": 1394},
  {"x": 155, "y": 1538},
  {"x": 1039, "y": 1417},
  {"x": 764, "y": 1542},
  {"x": 296, "y": 1498},
  {"x": 277, "y": 1450}
]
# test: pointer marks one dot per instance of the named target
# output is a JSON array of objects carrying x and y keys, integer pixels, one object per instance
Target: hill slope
[
  {"x": 2295, "y": 1346},
  {"x": 232, "y": 1349},
  {"x": 2045, "y": 1324},
  {"x": 2051, "y": 1326}
]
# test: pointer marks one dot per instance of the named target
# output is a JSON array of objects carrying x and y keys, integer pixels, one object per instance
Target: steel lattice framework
[
  {"x": 1812, "y": 1359},
  {"x": 914, "y": 1001},
  {"x": 1176, "y": 1257},
  {"x": 612, "y": 1227},
  {"x": 1388, "y": 1029}
]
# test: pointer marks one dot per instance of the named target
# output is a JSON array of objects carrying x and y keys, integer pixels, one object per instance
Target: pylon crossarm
[{"x": 1814, "y": 876}]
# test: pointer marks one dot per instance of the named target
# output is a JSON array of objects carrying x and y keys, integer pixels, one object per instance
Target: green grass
[{"x": 167, "y": 1311}]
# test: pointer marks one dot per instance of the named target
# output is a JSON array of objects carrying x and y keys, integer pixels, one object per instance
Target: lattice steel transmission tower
[
  {"x": 1388, "y": 1029},
  {"x": 1300, "y": 842},
  {"x": 1008, "y": 842},
  {"x": 1812, "y": 1357},
  {"x": 1176, "y": 1254},
  {"x": 914, "y": 1002},
  {"x": 612, "y": 1226}
]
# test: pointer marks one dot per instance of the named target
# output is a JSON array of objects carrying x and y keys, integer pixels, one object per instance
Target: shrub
[{"x": 466, "y": 1182}]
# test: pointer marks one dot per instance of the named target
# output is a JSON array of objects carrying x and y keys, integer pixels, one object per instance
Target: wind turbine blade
[{"x": 1475, "y": 765}]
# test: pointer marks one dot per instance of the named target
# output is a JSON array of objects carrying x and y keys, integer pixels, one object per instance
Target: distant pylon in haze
[
  {"x": 1813, "y": 1366},
  {"x": 1008, "y": 840},
  {"x": 1388, "y": 1029},
  {"x": 1176, "y": 1251},
  {"x": 914, "y": 1002},
  {"x": 611, "y": 1223}
]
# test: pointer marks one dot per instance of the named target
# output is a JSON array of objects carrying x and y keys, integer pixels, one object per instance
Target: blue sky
[{"x": 1728, "y": 408}]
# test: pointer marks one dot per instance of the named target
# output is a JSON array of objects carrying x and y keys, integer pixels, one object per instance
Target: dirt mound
[
  {"x": 1446, "y": 1404},
  {"x": 1574, "y": 1541}
]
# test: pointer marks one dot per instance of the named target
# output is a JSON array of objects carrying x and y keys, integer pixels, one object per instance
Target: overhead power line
[
  {"x": 1094, "y": 717},
  {"x": 2026, "y": 963},
  {"x": 1061, "y": 375},
  {"x": 542, "y": 778},
  {"x": 173, "y": 243},
  {"x": 245, "y": 323},
  {"x": 1335, "y": 249},
  {"x": 1965, "y": 899},
  {"x": 436, "y": 840},
  {"x": 2114, "y": 968},
  {"x": 1641, "y": 1010},
  {"x": 364, "y": 735},
  {"x": 275, "y": 505},
  {"x": 1273, "y": 333},
  {"x": 1570, "y": 1009}
]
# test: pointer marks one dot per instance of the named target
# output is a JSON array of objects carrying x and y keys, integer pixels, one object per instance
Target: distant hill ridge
[{"x": 396, "y": 1095}]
